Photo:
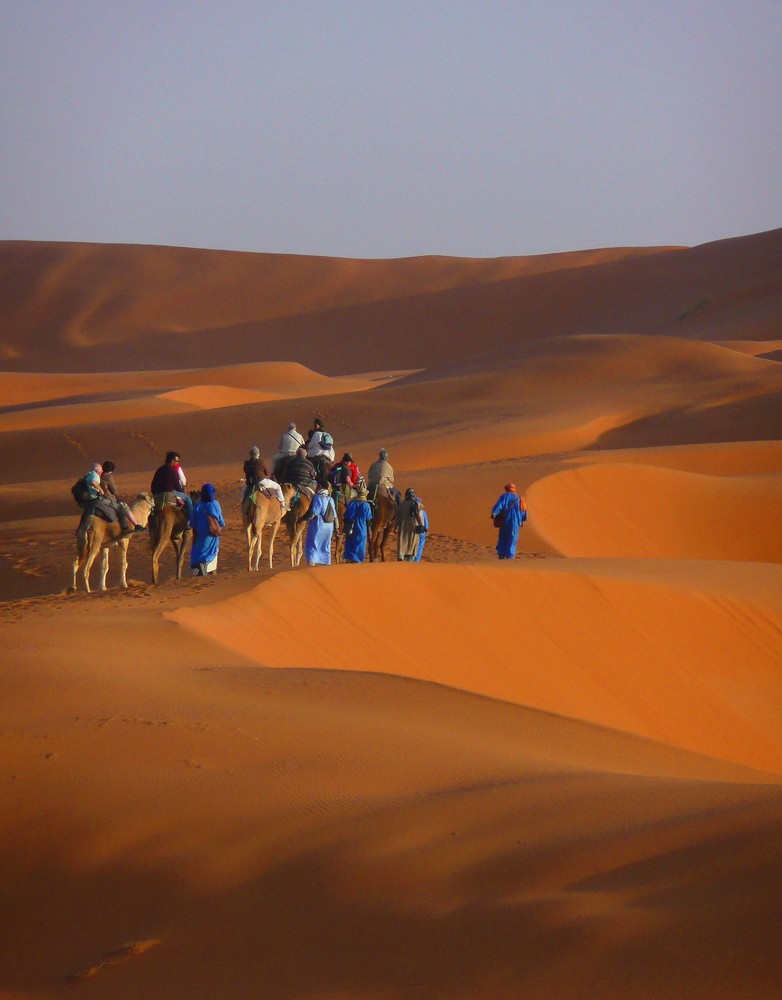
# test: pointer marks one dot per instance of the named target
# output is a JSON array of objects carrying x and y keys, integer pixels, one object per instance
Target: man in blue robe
[
  {"x": 356, "y": 521},
  {"x": 512, "y": 511},
  {"x": 317, "y": 544},
  {"x": 203, "y": 554}
]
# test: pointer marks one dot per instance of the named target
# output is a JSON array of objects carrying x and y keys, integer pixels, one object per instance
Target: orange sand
[{"x": 554, "y": 778}]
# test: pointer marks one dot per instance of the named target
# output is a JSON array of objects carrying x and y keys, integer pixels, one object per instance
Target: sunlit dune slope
[
  {"x": 535, "y": 399},
  {"x": 63, "y": 400},
  {"x": 691, "y": 659},
  {"x": 217, "y": 814},
  {"x": 622, "y": 510}
]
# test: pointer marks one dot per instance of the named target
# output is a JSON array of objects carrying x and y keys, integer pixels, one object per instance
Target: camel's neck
[{"x": 141, "y": 511}]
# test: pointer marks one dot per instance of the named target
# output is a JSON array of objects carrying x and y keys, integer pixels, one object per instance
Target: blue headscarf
[{"x": 207, "y": 493}]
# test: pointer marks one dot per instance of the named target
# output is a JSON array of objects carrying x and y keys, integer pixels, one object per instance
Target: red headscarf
[{"x": 510, "y": 488}]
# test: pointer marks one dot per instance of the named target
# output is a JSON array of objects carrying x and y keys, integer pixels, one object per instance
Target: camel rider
[
  {"x": 110, "y": 490},
  {"x": 254, "y": 471},
  {"x": 300, "y": 471},
  {"x": 98, "y": 498},
  {"x": 170, "y": 478},
  {"x": 345, "y": 474},
  {"x": 381, "y": 473},
  {"x": 320, "y": 448},
  {"x": 290, "y": 442}
]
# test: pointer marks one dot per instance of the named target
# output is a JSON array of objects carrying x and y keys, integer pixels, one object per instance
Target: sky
[{"x": 388, "y": 128}]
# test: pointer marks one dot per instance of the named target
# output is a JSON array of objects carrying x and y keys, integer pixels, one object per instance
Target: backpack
[
  {"x": 339, "y": 475},
  {"x": 80, "y": 492},
  {"x": 326, "y": 440},
  {"x": 329, "y": 516}
]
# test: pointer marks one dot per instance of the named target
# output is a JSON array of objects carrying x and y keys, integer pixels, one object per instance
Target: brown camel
[
  {"x": 96, "y": 535},
  {"x": 170, "y": 524},
  {"x": 383, "y": 518},
  {"x": 259, "y": 513},
  {"x": 299, "y": 505}
]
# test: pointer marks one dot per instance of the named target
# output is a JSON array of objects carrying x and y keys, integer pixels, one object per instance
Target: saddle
[
  {"x": 98, "y": 510},
  {"x": 167, "y": 500}
]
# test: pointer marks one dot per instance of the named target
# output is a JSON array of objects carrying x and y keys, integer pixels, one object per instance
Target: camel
[
  {"x": 263, "y": 512},
  {"x": 299, "y": 505},
  {"x": 95, "y": 535},
  {"x": 383, "y": 520},
  {"x": 170, "y": 524},
  {"x": 341, "y": 500}
]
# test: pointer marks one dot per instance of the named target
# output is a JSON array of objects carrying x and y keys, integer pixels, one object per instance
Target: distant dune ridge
[{"x": 557, "y": 777}]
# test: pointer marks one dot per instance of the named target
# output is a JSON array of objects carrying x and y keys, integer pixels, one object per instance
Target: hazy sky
[{"x": 387, "y": 128}]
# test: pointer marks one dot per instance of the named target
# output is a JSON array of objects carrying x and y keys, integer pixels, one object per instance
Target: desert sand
[{"x": 558, "y": 777}]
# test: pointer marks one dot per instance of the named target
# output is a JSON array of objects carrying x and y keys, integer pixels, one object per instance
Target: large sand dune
[{"x": 558, "y": 777}]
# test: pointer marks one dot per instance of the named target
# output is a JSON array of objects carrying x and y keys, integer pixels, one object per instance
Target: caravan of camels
[{"x": 330, "y": 510}]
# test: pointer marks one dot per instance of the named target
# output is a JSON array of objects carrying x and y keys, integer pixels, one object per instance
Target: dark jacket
[
  {"x": 300, "y": 472},
  {"x": 165, "y": 480},
  {"x": 107, "y": 482},
  {"x": 254, "y": 471}
]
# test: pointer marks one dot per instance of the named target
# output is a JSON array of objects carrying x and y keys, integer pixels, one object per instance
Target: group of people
[{"x": 308, "y": 464}]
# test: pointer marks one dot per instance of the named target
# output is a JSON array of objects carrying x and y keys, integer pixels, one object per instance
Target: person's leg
[{"x": 187, "y": 500}]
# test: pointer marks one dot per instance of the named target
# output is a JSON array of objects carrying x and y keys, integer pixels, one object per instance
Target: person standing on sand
[
  {"x": 422, "y": 530},
  {"x": 409, "y": 525},
  {"x": 322, "y": 518},
  {"x": 508, "y": 514},
  {"x": 355, "y": 522},
  {"x": 206, "y": 546}
]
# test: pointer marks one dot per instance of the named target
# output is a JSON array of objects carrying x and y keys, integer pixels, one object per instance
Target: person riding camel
[
  {"x": 345, "y": 472},
  {"x": 290, "y": 442},
  {"x": 381, "y": 473},
  {"x": 320, "y": 448},
  {"x": 113, "y": 509},
  {"x": 110, "y": 490},
  {"x": 301, "y": 472},
  {"x": 254, "y": 471},
  {"x": 170, "y": 478},
  {"x": 257, "y": 478}
]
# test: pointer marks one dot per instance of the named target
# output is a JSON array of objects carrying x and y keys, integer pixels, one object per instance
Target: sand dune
[{"x": 558, "y": 777}]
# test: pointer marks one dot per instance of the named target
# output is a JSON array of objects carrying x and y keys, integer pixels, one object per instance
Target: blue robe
[
  {"x": 422, "y": 537},
  {"x": 317, "y": 544},
  {"x": 205, "y": 546},
  {"x": 356, "y": 520},
  {"x": 509, "y": 504}
]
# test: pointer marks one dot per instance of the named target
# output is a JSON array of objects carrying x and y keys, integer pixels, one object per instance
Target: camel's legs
[
  {"x": 104, "y": 569},
  {"x": 76, "y": 567},
  {"x": 179, "y": 548},
  {"x": 250, "y": 546},
  {"x": 275, "y": 529},
  {"x": 123, "y": 549},
  {"x": 156, "y": 560},
  {"x": 91, "y": 553}
]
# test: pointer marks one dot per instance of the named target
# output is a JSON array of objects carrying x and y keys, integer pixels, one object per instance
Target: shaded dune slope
[{"x": 729, "y": 289}]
